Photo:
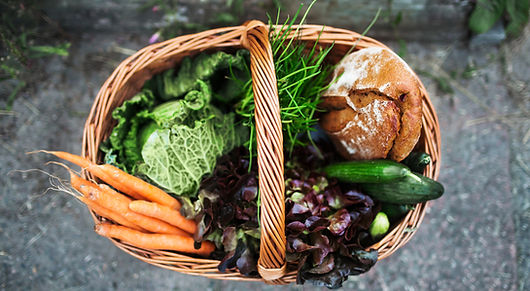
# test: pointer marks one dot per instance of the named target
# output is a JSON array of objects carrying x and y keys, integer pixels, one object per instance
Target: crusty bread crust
[
  {"x": 361, "y": 75},
  {"x": 366, "y": 133}
]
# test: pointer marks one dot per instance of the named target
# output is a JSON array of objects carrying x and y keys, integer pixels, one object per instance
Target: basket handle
[{"x": 271, "y": 263}]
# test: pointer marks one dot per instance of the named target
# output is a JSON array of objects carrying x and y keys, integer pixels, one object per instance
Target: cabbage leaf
[
  {"x": 171, "y": 105},
  {"x": 177, "y": 158},
  {"x": 216, "y": 69},
  {"x": 131, "y": 116}
]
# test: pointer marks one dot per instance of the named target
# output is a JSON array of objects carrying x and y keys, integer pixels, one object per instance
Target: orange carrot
[
  {"x": 152, "y": 224},
  {"x": 95, "y": 170},
  {"x": 102, "y": 211},
  {"x": 163, "y": 213},
  {"x": 77, "y": 181},
  {"x": 154, "y": 241},
  {"x": 110, "y": 199},
  {"x": 126, "y": 183},
  {"x": 151, "y": 192}
]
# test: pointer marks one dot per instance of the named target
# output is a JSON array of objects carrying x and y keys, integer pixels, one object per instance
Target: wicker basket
[{"x": 131, "y": 75}]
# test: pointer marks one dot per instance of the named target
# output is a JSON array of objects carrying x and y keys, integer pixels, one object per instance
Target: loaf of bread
[{"x": 373, "y": 106}]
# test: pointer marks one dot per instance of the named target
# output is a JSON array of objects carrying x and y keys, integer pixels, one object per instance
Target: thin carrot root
[
  {"x": 95, "y": 170},
  {"x": 61, "y": 186},
  {"x": 154, "y": 241},
  {"x": 70, "y": 170},
  {"x": 163, "y": 213}
]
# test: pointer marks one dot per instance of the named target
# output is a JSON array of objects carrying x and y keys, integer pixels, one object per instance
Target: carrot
[
  {"x": 163, "y": 213},
  {"x": 77, "y": 181},
  {"x": 154, "y": 241},
  {"x": 102, "y": 211},
  {"x": 126, "y": 183},
  {"x": 95, "y": 170},
  {"x": 141, "y": 187},
  {"x": 110, "y": 199}
]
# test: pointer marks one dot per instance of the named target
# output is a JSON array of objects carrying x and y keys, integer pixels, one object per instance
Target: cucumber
[
  {"x": 395, "y": 211},
  {"x": 414, "y": 188},
  {"x": 374, "y": 171},
  {"x": 417, "y": 161}
]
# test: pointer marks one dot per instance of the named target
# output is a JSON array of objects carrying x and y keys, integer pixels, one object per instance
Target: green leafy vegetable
[
  {"x": 302, "y": 76},
  {"x": 176, "y": 143},
  {"x": 124, "y": 137},
  {"x": 177, "y": 158},
  {"x": 194, "y": 106},
  {"x": 215, "y": 68}
]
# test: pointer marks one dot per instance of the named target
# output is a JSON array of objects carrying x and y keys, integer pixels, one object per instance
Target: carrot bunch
[{"x": 148, "y": 218}]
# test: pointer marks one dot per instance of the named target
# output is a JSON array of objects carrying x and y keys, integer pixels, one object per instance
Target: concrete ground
[{"x": 476, "y": 237}]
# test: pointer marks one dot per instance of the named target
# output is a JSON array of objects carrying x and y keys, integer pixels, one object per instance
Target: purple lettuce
[
  {"x": 340, "y": 267},
  {"x": 226, "y": 212},
  {"x": 326, "y": 224}
]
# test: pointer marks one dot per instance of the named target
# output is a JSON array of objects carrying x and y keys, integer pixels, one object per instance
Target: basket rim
[{"x": 158, "y": 57}]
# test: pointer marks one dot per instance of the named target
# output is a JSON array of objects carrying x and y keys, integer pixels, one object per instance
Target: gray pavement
[{"x": 476, "y": 237}]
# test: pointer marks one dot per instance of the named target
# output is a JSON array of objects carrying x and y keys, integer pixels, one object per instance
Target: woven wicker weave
[{"x": 129, "y": 78}]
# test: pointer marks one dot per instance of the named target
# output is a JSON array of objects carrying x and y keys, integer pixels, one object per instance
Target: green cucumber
[
  {"x": 417, "y": 161},
  {"x": 395, "y": 211},
  {"x": 414, "y": 188},
  {"x": 374, "y": 171}
]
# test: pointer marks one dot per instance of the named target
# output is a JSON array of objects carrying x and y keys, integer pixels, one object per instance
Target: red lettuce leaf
[
  {"x": 326, "y": 266},
  {"x": 247, "y": 263},
  {"x": 229, "y": 239},
  {"x": 359, "y": 262},
  {"x": 316, "y": 223},
  {"x": 230, "y": 259},
  {"x": 339, "y": 222}
]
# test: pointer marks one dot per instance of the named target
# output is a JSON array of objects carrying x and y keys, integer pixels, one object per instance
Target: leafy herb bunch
[{"x": 302, "y": 76}]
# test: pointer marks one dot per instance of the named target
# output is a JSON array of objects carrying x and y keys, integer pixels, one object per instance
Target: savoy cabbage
[{"x": 171, "y": 132}]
